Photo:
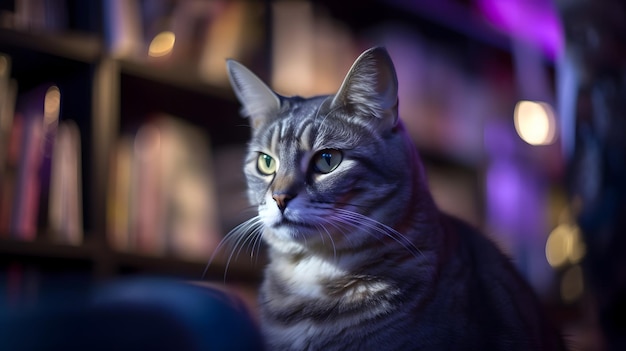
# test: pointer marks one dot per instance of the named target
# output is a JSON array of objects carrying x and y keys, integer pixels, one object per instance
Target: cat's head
[{"x": 321, "y": 167}]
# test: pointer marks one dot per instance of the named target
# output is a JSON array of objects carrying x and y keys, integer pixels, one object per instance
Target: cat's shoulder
[
  {"x": 470, "y": 236},
  {"x": 480, "y": 253}
]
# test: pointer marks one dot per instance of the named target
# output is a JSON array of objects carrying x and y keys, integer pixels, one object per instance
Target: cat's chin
[
  {"x": 281, "y": 235},
  {"x": 294, "y": 225},
  {"x": 289, "y": 230},
  {"x": 290, "y": 220}
]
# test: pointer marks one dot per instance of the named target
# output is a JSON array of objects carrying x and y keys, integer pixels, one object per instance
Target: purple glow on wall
[
  {"x": 516, "y": 203},
  {"x": 536, "y": 21}
]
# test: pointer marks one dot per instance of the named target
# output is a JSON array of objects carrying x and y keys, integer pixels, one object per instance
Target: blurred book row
[
  {"x": 40, "y": 162},
  {"x": 170, "y": 193},
  {"x": 184, "y": 35},
  {"x": 161, "y": 191},
  {"x": 277, "y": 39}
]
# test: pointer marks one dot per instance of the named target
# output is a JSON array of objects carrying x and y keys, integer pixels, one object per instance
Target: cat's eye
[
  {"x": 327, "y": 160},
  {"x": 266, "y": 164}
]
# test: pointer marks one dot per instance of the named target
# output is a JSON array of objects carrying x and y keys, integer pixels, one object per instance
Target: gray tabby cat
[{"x": 360, "y": 256}]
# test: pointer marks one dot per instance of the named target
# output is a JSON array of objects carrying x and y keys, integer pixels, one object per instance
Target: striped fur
[{"x": 361, "y": 258}]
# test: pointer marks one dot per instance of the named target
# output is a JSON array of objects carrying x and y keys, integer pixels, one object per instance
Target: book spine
[
  {"x": 8, "y": 140},
  {"x": 148, "y": 217},
  {"x": 51, "y": 110},
  {"x": 119, "y": 195},
  {"x": 26, "y": 196},
  {"x": 65, "y": 209}
]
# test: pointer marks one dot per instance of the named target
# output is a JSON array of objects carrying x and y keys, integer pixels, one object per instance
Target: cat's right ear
[
  {"x": 370, "y": 89},
  {"x": 259, "y": 101}
]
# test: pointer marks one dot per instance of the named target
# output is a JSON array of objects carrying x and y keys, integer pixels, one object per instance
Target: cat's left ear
[
  {"x": 259, "y": 101},
  {"x": 370, "y": 88}
]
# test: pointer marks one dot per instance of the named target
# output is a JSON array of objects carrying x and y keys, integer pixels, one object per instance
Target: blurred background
[{"x": 121, "y": 143}]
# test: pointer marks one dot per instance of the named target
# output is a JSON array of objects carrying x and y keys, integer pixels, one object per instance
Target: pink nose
[{"x": 282, "y": 200}]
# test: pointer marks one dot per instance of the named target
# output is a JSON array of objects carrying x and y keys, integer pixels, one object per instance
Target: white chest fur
[
  {"x": 306, "y": 276},
  {"x": 317, "y": 278}
]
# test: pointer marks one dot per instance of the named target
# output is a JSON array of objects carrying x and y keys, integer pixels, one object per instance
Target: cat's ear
[
  {"x": 258, "y": 100},
  {"x": 371, "y": 88}
]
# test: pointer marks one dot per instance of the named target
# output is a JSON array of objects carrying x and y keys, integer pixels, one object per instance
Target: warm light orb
[
  {"x": 535, "y": 122},
  {"x": 162, "y": 44},
  {"x": 52, "y": 105},
  {"x": 565, "y": 245}
]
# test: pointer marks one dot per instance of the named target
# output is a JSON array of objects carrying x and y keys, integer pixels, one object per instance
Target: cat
[{"x": 360, "y": 257}]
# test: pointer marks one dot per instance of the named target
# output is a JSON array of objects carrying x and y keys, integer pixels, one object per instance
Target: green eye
[
  {"x": 327, "y": 160},
  {"x": 266, "y": 164}
]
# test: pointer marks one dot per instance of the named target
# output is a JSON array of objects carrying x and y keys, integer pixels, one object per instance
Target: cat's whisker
[
  {"x": 237, "y": 234},
  {"x": 355, "y": 224},
  {"x": 249, "y": 235},
  {"x": 320, "y": 233},
  {"x": 255, "y": 249},
  {"x": 330, "y": 237},
  {"x": 387, "y": 231},
  {"x": 256, "y": 246},
  {"x": 239, "y": 239},
  {"x": 245, "y": 234},
  {"x": 344, "y": 204},
  {"x": 305, "y": 242},
  {"x": 336, "y": 224},
  {"x": 330, "y": 112},
  {"x": 358, "y": 219}
]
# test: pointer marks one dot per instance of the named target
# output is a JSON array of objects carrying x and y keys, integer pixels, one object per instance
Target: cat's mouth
[{"x": 287, "y": 222}]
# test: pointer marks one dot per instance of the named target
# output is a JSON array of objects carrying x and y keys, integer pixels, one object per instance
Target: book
[
  {"x": 231, "y": 31},
  {"x": 26, "y": 174},
  {"x": 188, "y": 189},
  {"x": 65, "y": 201},
  {"x": 8, "y": 92},
  {"x": 10, "y": 174},
  {"x": 123, "y": 28},
  {"x": 306, "y": 44},
  {"x": 147, "y": 218},
  {"x": 51, "y": 113},
  {"x": 27, "y": 182},
  {"x": 161, "y": 197},
  {"x": 118, "y": 205}
]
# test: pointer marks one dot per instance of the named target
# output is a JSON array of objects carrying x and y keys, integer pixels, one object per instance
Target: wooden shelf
[
  {"x": 194, "y": 269},
  {"x": 179, "y": 76},
  {"x": 79, "y": 47},
  {"x": 111, "y": 263},
  {"x": 45, "y": 249}
]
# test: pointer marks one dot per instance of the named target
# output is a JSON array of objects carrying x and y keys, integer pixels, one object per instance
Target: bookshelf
[
  {"x": 107, "y": 97},
  {"x": 78, "y": 65}
]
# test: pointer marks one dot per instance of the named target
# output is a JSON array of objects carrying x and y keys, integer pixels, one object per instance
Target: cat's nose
[{"x": 281, "y": 200}]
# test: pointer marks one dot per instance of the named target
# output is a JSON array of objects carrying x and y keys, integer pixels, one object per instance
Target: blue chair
[{"x": 134, "y": 314}]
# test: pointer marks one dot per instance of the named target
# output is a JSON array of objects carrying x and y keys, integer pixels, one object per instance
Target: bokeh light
[
  {"x": 162, "y": 44},
  {"x": 52, "y": 105},
  {"x": 535, "y": 122},
  {"x": 564, "y": 245}
]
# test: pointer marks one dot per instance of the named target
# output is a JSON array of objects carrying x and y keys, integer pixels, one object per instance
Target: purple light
[{"x": 535, "y": 21}]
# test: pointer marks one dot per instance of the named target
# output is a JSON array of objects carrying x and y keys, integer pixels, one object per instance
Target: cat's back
[{"x": 503, "y": 311}]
